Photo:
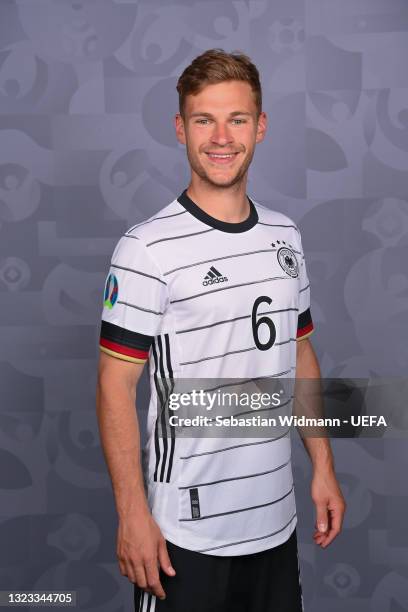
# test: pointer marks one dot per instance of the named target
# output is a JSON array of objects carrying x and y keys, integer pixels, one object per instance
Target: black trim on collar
[{"x": 223, "y": 226}]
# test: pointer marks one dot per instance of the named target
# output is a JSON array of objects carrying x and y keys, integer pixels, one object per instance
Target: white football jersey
[{"x": 201, "y": 298}]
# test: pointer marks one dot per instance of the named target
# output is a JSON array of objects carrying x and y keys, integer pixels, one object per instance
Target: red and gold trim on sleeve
[
  {"x": 305, "y": 325},
  {"x": 123, "y": 343}
]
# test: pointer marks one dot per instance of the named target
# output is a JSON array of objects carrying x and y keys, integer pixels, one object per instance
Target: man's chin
[{"x": 220, "y": 181}]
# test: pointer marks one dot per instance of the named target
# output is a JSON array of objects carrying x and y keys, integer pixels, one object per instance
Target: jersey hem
[{"x": 246, "y": 548}]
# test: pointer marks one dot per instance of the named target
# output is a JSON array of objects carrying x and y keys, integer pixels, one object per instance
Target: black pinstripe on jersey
[{"x": 164, "y": 382}]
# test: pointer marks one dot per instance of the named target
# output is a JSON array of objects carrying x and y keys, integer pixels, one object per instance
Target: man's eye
[{"x": 206, "y": 121}]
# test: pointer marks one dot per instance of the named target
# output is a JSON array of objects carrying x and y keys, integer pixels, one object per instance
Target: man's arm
[
  {"x": 140, "y": 545},
  {"x": 325, "y": 491}
]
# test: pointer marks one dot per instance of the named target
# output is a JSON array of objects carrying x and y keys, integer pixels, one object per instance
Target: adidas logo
[{"x": 214, "y": 276}]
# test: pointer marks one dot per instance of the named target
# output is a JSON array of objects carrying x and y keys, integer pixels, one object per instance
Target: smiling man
[{"x": 212, "y": 286}]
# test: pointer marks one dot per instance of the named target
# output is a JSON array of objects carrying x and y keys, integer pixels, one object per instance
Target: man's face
[{"x": 220, "y": 131}]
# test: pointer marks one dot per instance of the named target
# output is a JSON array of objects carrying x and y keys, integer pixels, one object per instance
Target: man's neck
[{"x": 230, "y": 205}]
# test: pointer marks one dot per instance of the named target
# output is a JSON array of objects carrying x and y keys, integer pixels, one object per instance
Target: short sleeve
[
  {"x": 305, "y": 322},
  {"x": 134, "y": 302}
]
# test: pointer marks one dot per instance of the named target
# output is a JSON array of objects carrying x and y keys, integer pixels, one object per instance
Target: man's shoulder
[
  {"x": 268, "y": 216},
  {"x": 165, "y": 221}
]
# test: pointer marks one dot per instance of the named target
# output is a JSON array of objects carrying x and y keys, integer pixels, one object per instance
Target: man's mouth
[{"x": 221, "y": 158}]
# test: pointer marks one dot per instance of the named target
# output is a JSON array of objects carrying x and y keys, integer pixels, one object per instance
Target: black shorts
[{"x": 267, "y": 581}]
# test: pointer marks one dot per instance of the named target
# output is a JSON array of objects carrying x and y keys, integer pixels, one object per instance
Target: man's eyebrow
[{"x": 233, "y": 114}]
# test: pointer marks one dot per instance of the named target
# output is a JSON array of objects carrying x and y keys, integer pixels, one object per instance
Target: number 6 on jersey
[{"x": 262, "y": 346}]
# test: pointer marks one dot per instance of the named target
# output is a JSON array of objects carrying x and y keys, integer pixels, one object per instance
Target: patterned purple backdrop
[{"x": 87, "y": 148}]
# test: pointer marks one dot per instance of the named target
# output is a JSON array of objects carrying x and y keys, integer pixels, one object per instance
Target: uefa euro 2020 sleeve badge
[{"x": 111, "y": 291}]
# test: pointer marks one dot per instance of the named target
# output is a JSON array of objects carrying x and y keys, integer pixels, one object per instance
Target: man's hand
[
  {"x": 142, "y": 551},
  {"x": 330, "y": 506}
]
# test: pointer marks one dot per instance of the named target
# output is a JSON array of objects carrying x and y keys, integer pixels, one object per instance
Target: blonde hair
[{"x": 215, "y": 66}]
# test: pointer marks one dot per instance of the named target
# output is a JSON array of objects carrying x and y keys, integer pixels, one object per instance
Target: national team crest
[
  {"x": 288, "y": 262},
  {"x": 111, "y": 291}
]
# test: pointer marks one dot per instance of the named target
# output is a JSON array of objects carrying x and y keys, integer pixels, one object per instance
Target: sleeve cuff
[
  {"x": 305, "y": 325},
  {"x": 123, "y": 343},
  {"x": 305, "y": 335},
  {"x": 121, "y": 355}
]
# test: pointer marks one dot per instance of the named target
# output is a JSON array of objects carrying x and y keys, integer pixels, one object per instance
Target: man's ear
[
  {"x": 179, "y": 126},
  {"x": 261, "y": 127}
]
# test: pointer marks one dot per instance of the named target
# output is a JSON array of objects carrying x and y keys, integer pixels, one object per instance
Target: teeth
[{"x": 221, "y": 156}]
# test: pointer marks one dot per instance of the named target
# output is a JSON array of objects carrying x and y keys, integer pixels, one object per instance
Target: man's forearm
[
  {"x": 320, "y": 453},
  {"x": 311, "y": 402},
  {"x": 325, "y": 491},
  {"x": 120, "y": 436}
]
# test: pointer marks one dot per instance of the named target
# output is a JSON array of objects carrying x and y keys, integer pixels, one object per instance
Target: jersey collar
[{"x": 223, "y": 226}]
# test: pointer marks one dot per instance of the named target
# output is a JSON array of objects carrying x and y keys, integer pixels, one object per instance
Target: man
[{"x": 212, "y": 286}]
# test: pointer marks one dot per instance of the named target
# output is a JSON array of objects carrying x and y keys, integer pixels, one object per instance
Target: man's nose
[{"x": 221, "y": 134}]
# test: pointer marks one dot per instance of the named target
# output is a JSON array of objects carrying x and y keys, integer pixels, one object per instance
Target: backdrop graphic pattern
[{"x": 87, "y": 148}]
